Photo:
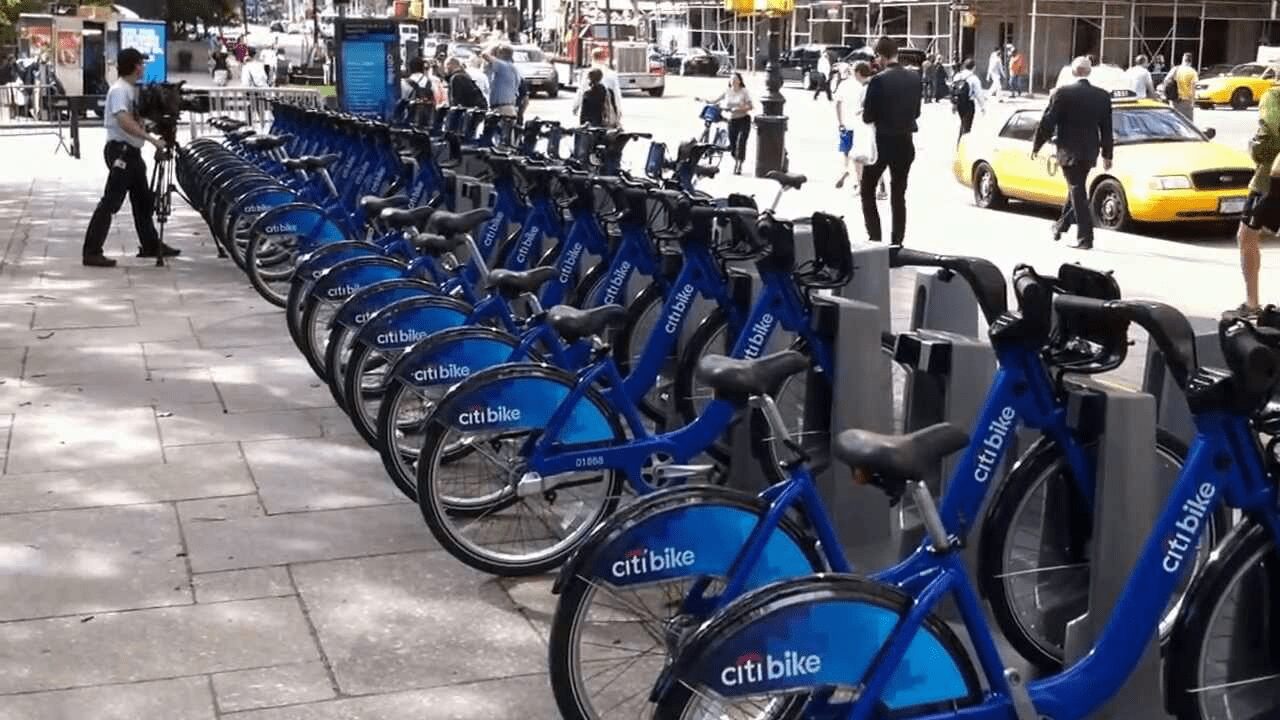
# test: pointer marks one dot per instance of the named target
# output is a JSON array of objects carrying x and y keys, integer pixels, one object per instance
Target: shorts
[
  {"x": 846, "y": 141},
  {"x": 1261, "y": 211}
]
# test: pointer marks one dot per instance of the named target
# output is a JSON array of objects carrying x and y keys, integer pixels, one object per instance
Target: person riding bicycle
[{"x": 126, "y": 170}]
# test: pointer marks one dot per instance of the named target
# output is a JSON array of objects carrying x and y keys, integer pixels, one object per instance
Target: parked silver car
[{"x": 536, "y": 70}]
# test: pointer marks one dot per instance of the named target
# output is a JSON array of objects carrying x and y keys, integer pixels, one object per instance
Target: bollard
[
  {"x": 1172, "y": 412},
  {"x": 1129, "y": 496}
]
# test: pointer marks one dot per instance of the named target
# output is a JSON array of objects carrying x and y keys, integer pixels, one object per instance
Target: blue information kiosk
[{"x": 368, "y": 66}]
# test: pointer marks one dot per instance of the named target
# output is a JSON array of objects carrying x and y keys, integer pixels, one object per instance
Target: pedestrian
[
  {"x": 1078, "y": 118},
  {"x": 940, "y": 85},
  {"x": 892, "y": 106},
  {"x": 504, "y": 80},
  {"x": 270, "y": 57},
  {"x": 595, "y": 100},
  {"x": 1262, "y": 207},
  {"x": 1157, "y": 65},
  {"x": 967, "y": 97},
  {"x": 995, "y": 72},
  {"x": 737, "y": 101},
  {"x": 600, "y": 61},
  {"x": 1180, "y": 88},
  {"x": 1139, "y": 78},
  {"x": 1018, "y": 73},
  {"x": 219, "y": 64},
  {"x": 857, "y": 141},
  {"x": 126, "y": 170},
  {"x": 417, "y": 98},
  {"x": 475, "y": 70},
  {"x": 926, "y": 72},
  {"x": 254, "y": 72},
  {"x": 463, "y": 91},
  {"x": 822, "y": 75}
]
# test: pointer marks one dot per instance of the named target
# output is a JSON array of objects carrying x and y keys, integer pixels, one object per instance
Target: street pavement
[{"x": 189, "y": 528}]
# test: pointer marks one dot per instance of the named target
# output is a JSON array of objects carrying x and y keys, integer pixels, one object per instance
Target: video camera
[{"x": 163, "y": 103}]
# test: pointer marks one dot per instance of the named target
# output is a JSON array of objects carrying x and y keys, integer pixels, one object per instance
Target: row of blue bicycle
[{"x": 549, "y": 353}]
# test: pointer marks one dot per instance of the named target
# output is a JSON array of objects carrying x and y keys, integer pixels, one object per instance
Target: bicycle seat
[
  {"x": 267, "y": 142},
  {"x": 438, "y": 244},
  {"x": 241, "y": 134},
  {"x": 899, "y": 457},
  {"x": 312, "y": 162},
  {"x": 518, "y": 282},
  {"x": 226, "y": 123},
  {"x": 447, "y": 223},
  {"x": 410, "y": 217},
  {"x": 740, "y": 379},
  {"x": 574, "y": 324},
  {"x": 787, "y": 180},
  {"x": 372, "y": 205}
]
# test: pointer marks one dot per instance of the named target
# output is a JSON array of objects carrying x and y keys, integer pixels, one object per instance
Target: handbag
[
  {"x": 610, "y": 115},
  {"x": 864, "y": 144}
]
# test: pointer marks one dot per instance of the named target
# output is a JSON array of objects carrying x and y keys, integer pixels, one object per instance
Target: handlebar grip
[
  {"x": 1080, "y": 305},
  {"x": 906, "y": 257}
]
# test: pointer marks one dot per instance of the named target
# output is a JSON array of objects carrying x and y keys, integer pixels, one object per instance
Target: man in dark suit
[
  {"x": 892, "y": 105},
  {"x": 1078, "y": 119}
]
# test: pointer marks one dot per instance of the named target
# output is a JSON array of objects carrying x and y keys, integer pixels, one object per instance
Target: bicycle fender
[
  {"x": 407, "y": 321},
  {"x": 525, "y": 396},
  {"x": 445, "y": 357},
  {"x": 365, "y": 303},
  {"x": 261, "y": 199},
  {"x": 350, "y": 276},
  {"x": 302, "y": 220},
  {"x": 780, "y": 639},
  {"x": 688, "y": 532}
]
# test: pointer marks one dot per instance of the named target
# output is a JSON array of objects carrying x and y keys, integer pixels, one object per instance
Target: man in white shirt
[
  {"x": 127, "y": 171},
  {"x": 1139, "y": 78},
  {"x": 600, "y": 59},
  {"x": 254, "y": 73},
  {"x": 995, "y": 72}
]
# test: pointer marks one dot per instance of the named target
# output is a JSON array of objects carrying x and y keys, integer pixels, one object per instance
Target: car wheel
[
  {"x": 1205, "y": 106},
  {"x": 1241, "y": 98},
  {"x": 986, "y": 188},
  {"x": 656, "y": 92},
  {"x": 553, "y": 89},
  {"x": 1110, "y": 208}
]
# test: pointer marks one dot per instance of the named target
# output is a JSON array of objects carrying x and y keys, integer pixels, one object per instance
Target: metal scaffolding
[
  {"x": 1126, "y": 28},
  {"x": 925, "y": 24},
  {"x": 743, "y": 38}
]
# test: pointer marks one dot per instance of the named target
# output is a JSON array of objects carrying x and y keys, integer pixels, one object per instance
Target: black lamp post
[{"x": 771, "y": 123}]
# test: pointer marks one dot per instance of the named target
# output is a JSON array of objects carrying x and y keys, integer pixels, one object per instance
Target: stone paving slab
[
  {"x": 272, "y": 687},
  {"x": 86, "y": 313},
  {"x": 320, "y": 474},
  {"x": 95, "y": 560},
  {"x": 242, "y": 584},
  {"x": 199, "y": 424},
  {"x": 46, "y": 440},
  {"x": 278, "y": 385},
  {"x": 152, "y": 644},
  {"x": 386, "y": 623},
  {"x": 125, "y": 485},
  {"x": 97, "y": 365},
  {"x": 522, "y": 698},
  {"x": 178, "y": 699},
  {"x": 306, "y": 537}
]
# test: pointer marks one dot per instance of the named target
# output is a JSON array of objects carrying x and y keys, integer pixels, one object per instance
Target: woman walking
[{"x": 737, "y": 101}]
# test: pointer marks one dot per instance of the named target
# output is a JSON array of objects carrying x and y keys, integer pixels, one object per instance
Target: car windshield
[
  {"x": 1247, "y": 70},
  {"x": 1151, "y": 125},
  {"x": 527, "y": 56}
]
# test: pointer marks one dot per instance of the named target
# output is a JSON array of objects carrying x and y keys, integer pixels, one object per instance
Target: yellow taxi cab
[
  {"x": 1241, "y": 87},
  {"x": 1165, "y": 169}
]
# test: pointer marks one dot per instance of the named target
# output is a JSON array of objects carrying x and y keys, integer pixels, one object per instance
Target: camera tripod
[{"x": 162, "y": 185}]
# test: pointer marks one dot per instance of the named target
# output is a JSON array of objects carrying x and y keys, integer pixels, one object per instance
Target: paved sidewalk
[{"x": 189, "y": 527}]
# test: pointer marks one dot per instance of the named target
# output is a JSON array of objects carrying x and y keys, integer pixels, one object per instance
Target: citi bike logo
[
  {"x": 526, "y": 244},
  {"x": 441, "y": 373},
  {"x": 280, "y": 229},
  {"x": 754, "y": 668},
  {"x": 642, "y": 561},
  {"x": 255, "y": 209},
  {"x": 616, "y": 281},
  {"x": 401, "y": 336},
  {"x": 997, "y": 434},
  {"x": 684, "y": 298},
  {"x": 341, "y": 291},
  {"x": 759, "y": 336},
  {"x": 362, "y": 318},
  {"x": 488, "y": 416},
  {"x": 1193, "y": 512},
  {"x": 491, "y": 233},
  {"x": 570, "y": 263}
]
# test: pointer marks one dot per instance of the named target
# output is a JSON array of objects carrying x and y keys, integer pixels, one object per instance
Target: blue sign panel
[
  {"x": 152, "y": 40},
  {"x": 368, "y": 73}
]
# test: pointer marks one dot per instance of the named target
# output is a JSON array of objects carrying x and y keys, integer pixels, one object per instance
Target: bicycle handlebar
[{"x": 983, "y": 277}]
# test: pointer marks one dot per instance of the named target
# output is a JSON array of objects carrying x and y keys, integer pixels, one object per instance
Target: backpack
[
  {"x": 961, "y": 93},
  {"x": 465, "y": 91},
  {"x": 1171, "y": 86},
  {"x": 420, "y": 89}
]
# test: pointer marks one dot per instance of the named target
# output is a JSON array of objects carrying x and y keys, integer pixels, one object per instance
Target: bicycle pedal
[{"x": 679, "y": 472}]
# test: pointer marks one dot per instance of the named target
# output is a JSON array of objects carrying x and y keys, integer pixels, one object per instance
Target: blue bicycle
[{"x": 773, "y": 652}]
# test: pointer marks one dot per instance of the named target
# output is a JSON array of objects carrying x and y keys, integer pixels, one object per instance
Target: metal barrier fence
[{"x": 253, "y": 105}]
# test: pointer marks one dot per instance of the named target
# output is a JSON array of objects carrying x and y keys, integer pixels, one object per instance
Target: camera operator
[{"x": 127, "y": 172}]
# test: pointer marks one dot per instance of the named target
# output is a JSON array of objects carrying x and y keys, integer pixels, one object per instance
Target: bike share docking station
[
  {"x": 1172, "y": 412},
  {"x": 1129, "y": 494}
]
